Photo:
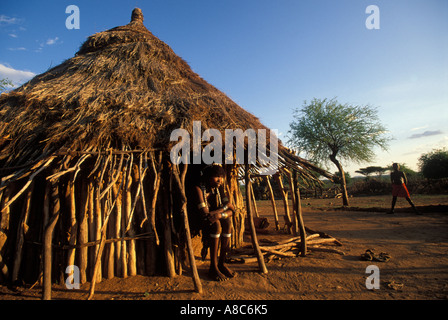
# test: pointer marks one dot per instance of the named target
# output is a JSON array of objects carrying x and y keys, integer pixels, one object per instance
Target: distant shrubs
[
  {"x": 434, "y": 164},
  {"x": 381, "y": 186},
  {"x": 370, "y": 186}
]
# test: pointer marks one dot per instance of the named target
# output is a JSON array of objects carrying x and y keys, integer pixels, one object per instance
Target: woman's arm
[{"x": 213, "y": 216}]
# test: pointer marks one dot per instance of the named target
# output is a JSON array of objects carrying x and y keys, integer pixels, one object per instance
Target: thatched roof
[{"x": 123, "y": 88}]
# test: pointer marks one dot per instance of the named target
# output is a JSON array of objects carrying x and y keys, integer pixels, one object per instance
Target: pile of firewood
[{"x": 288, "y": 248}]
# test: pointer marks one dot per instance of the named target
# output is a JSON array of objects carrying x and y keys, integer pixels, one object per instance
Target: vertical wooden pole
[
  {"x": 98, "y": 225},
  {"x": 301, "y": 225},
  {"x": 110, "y": 255},
  {"x": 132, "y": 261},
  {"x": 92, "y": 228},
  {"x": 117, "y": 229},
  {"x": 284, "y": 194},
  {"x": 253, "y": 233},
  {"x": 83, "y": 232},
  {"x": 293, "y": 198},
  {"x": 70, "y": 196},
  {"x": 254, "y": 201},
  {"x": 97, "y": 267},
  {"x": 48, "y": 237},
  {"x": 181, "y": 184},
  {"x": 21, "y": 232},
  {"x": 167, "y": 243},
  {"x": 274, "y": 206}
]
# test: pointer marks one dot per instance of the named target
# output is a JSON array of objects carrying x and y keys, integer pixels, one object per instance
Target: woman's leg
[
  {"x": 226, "y": 235},
  {"x": 215, "y": 235}
]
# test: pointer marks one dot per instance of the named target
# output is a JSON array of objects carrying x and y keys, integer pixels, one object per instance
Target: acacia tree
[
  {"x": 329, "y": 131},
  {"x": 372, "y": 169}
]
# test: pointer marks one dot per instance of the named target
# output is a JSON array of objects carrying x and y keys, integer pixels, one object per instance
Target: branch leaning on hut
[{"x": 28, "y": 183}]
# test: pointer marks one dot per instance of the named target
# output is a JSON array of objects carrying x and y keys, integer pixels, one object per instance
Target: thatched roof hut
[{"x": 84, "y": 160}]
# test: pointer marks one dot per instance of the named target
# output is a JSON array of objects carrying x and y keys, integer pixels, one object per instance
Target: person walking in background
[{"x": 399, "y": 189}]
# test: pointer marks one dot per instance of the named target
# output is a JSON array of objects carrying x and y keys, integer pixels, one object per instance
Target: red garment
[{"x": 400, "y": 190}]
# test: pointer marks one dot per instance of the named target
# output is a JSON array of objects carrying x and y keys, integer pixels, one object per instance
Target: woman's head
[
  {"x": 214, "y": 175},
  {"x": 396, "y": 166}
]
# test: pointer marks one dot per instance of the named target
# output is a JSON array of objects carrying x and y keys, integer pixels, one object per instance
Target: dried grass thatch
[{"x": 123, "y": 87}]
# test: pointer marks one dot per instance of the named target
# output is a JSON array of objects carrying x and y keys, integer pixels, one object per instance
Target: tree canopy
[
  {"x": 325, "y": 127},
  {"x": 372, "y": 169}
]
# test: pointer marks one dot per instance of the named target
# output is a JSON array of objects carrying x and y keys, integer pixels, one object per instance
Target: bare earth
[{"x": 417, "y": 269}]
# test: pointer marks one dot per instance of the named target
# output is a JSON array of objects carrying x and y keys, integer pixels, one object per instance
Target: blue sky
[{"x": 271, "y": 56}]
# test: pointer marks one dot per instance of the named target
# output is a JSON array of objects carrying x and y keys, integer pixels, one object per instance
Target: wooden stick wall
[
  {"x": 109, "y": 214},
  {"x": 98, "y": 213}
]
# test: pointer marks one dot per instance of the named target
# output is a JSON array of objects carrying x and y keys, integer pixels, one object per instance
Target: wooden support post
[
  {"x": 284, "y": 194},
  {"x": 181, "y": 185},
  {"x": 253, "y": 233},
  {"x": 293, "y": 198},
  {"x": 254, "y": 201},
  {"x": 98, "y": 275},
  {"x": 97, "y": 267},
  {"x": 84, "y": 232},
  {"x": 117, "y": 230},
  {"x": 167, "y": 232},
  {"x": 274, "y": 206},
  {"x": 48, "y": 237},
  {"x": 21, "y": 232},
  {"x": 72, "y": 234},
  {"x": 301, "y": 225}
]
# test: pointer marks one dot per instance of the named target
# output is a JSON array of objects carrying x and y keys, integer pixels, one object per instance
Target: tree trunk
[{"x": 343, "y": 182}]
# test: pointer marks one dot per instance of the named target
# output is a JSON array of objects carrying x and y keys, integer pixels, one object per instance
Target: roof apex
[{"x": 137, "y": 15}]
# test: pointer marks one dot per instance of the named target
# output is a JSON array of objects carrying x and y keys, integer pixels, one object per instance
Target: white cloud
[
  {"x": 5, "y": 20},
  {"x": 51, "y": 41},
  {"x": 17, "y": 77},
  {"x": 17, "y": 49}
]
